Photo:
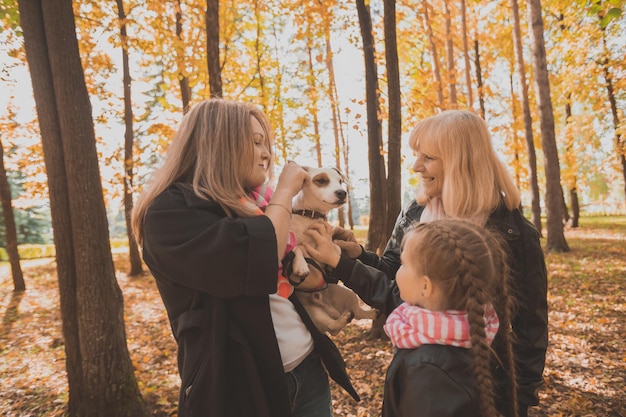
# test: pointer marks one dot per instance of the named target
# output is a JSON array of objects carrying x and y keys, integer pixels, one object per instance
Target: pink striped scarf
[
  {"x": 410, "y": 327},
  {"x": 261, "y": 196}
]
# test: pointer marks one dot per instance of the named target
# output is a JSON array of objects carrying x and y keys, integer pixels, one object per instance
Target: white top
[{"x": 294, "y": 339}]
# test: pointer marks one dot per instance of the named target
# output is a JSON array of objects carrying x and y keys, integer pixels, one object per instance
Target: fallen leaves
[{"x": 585, "y": 371}]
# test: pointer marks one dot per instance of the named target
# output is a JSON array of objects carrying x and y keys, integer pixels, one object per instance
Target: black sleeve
[
  {"x": 530, "y": 322},
  {"x": 373, "y": 286},
  {"x": 196, "y": 246},
  {"x": 389, "y": 262}
]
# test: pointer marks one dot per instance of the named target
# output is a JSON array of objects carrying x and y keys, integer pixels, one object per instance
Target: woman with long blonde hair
[
  {"x": 461, "y": 177},
  {"x": 213, "y": 235}
]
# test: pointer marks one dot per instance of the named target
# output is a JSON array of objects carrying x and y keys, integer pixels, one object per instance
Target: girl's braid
[{"x": 504, "y": 303}]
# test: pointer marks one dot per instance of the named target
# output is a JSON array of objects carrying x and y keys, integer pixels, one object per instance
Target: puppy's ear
[
  {"x": 344, "y": 178},
  {"x": 307, "y": 169}
]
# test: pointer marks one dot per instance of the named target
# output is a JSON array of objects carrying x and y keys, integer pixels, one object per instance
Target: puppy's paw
[{"x": 347, "y": 316}]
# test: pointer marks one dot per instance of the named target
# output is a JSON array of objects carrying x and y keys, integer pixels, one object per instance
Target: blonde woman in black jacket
[
  {"x": 214, "y": 244},
  {"x": 462, "y": 177}
]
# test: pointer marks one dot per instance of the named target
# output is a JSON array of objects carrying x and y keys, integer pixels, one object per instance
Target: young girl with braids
[{"x": 453, "y": 278}]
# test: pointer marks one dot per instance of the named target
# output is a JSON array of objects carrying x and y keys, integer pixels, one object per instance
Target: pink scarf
[
  {"x": 261, "y": 196},
  {"x": 410, "y": 327}
]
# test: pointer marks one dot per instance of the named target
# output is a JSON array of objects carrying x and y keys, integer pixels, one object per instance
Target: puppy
[{"x": 330, "y": 306}]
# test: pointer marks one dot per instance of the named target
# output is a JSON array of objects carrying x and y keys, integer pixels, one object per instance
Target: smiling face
[
  {"x": 430, "y": 169},
  {"x": 258, "y": 173},
  {"x": 325, "y": 191}
]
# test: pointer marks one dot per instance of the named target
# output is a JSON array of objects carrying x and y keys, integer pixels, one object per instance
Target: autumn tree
[
  {"x": 620, "y": 144},
  {"x": 213, "y": 47},
  {"x": 9, "y": 224},
  {"x": 376, "y": 237},
  {"x": 554, "y": 195},
  {"x": 183, "y": 80},
  {"x": 100, "y": 374},
  {"x": 466, "y": 58},
  {"x": 394, "y": 128},
  {"x": 434, "y": 55},
  {"x": 528, "y": 125},
  {"x": 136, "y": 267}
]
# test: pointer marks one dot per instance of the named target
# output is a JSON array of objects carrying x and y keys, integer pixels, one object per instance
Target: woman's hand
[
  {"x": 291, "y": 180},
  {"x": 324, "y": 251},
  {"x": 345, "y": 239}
]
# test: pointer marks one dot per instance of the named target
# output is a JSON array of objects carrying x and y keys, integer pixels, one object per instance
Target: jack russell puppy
[{"x": 331, "y": 306}]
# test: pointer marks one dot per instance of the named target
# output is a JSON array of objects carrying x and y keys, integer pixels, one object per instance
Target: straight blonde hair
[
  {"x": 212, "y": 152},
  {"x": 475, "y": 181}
]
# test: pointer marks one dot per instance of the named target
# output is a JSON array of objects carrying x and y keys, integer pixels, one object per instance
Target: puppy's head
[{"x": 326, "y": 190}]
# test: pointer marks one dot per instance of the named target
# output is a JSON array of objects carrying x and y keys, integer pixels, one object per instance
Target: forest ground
[{"x": 585, "y": 372}]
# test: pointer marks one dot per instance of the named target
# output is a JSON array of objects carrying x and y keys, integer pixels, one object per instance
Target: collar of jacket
[{"x": 504, "y": 220}]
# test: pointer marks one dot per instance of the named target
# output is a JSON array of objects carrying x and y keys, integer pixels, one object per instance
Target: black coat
[
  {"x": 214, "y": 275},
  {"x": 376, "y": 286},
  {"x": 431, "y": 381}
]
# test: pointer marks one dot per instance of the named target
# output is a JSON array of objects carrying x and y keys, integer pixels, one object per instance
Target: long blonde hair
[
  {"x": 474, "y": 179},
  {"x": 212, "y": 152}
]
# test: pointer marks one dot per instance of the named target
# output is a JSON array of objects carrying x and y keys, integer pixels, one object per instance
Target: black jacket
[
  {"x": 376, "y": 286},
  {"x": 431, "y": 381},
  {"x": 214, "y": 275}
]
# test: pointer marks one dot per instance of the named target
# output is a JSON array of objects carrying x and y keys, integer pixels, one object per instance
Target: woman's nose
[{"x": 417, "y": 165}]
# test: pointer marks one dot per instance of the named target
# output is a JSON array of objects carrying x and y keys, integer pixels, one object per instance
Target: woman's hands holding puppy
[{"x": 324, "y": 251}]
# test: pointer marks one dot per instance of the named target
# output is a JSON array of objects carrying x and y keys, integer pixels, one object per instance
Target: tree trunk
[
  {"x": 313, "y": 107},
  {"x": 528, "y": 127},
  {"x": 340, "y": 141},
  {"x": 450, "y": 54},
  {"x": 394, "y": 140},
  {"x": 554, "y": 196},
  {"x": 479, "y": 79},
  {"x": 468, "y": 75},
  {"x": 571, "y": 182},
  {"x": 573, "y": 194},
  {"x": 100, "y": 373},
  {"x": 435, "y": 57},
  {"x": 183, "y": 80},
  {"x": 620, "y": 146},
  {"x": 9, "y": 225},
  {"x": 134, "y": 257},
  {"x": 212, "y": 22},
  {"x": 376, "y": 238}
]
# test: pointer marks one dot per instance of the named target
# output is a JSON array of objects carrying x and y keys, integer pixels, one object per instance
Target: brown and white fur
[{"x": 333, "y": 306}]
